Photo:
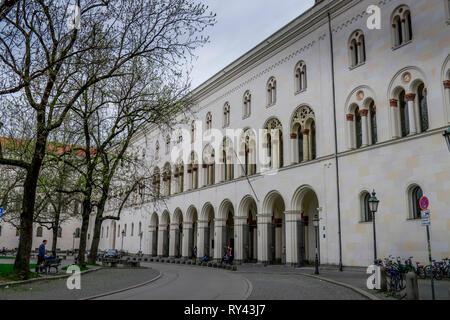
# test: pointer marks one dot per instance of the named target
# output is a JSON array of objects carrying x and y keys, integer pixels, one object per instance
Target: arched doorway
[
  {"x": 226, "y": 211},
  {"x": 164, "y": 234},
  {"x": 178, "y": 233},
  {"x": 192, "y": 217},
  {"x": 154, "y": 226},
  {"x": 276, "y": 239},
  {"x": 248, "y": 209},
  {"x": 208, "y": 237},
  {"x": 306, "y": 205}
]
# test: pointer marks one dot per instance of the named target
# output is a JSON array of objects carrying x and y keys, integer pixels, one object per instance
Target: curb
[
  {"x": 14, "y": 283},
  {"x": 125, "y": 289},
  {"x": 249, "y": 290},
  {"x": 357, "y": 290}
]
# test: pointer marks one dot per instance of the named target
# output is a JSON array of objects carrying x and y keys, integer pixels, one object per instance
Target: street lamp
[
  {"x": 316, "y": 228},
  {"x": 373, "y": 207},
  {"x": 447, "y": 137},
  {"x": 123, "y": 235}
]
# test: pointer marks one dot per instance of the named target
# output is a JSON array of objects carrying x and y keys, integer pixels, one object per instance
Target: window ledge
[
  {"x": 356, "y": 66},
  {"x": 413, "y": 219},
  {"x": 301, "y": 91},
  {"x": 245, "y": 117},
  {"x": 402, "y": 45},
  {"x": 270, "y": 105},
  {"x": 365, "y": 222}
]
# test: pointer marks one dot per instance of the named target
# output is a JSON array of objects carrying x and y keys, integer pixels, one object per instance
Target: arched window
[
  {"x": 39, "y": 232},
  {"x": 300, "y": 77},
  {"x": 59, "y": 232},
  {"x": 303, "y": 135},
  {"x": 423, "y": 107},
  {"x": 357, "y": 49},
  {"x": 373, "y": 123},
  {"x": 274, "y": 144},
  {"x": 167, "y": 178},
  {"x": 358, "y": 128},
  {"x": 107, "y": 232},
  {"x": 118, "y": 232},
  {"x": 209, "y": 164},
  {"x": 193, "y": 131},
  {"x": 247, "y": 105},
  {"x": 247, "y": 152},
  {"x": 167, "y": 144},
  {"x": 402, "y": 31},
  {"x": 157, "y": 150},
  {"x": 179, "y": 176},
  {"x": 102, "y": 232},
  {"x": 132, "y": 229},
  {"x": 415, "y": 194},
  {"x": 366, "y": 215},
  {"x": 156, "y": 182},
  {"x": 77, "y": 232},
  {"x": 125, "y": 230},
  {"x": 271, "y": 91},
  {"x": 404, "y": 116},
  {"x": 226, "y": 115},
  {"x": 193, "y": 172},
  {"x": 313, "y": 140},
  {"x": 208, "y": 121},
  {"x": 140, "y": 228}
]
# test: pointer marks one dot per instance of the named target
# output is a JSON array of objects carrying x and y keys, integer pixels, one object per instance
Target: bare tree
[
  {"x": 49, "y": 58},
  {"x": 5, "y": 7}
]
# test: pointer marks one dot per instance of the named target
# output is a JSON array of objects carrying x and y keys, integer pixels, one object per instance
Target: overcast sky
[{"x": 241, "y": 25}]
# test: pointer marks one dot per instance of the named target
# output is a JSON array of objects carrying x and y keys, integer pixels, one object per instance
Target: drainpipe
[{"x": 335, "y": 143}]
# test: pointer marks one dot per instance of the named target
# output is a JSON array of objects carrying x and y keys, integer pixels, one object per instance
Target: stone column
[
  {"x": 306, "y": 151},
  {"x": 264, "y": 228},
  {"x": 412, "y": 119},
  {"x": 294, "y": 148},
  {"x": 239, "y": 224},
  {"x": 350, "y": 117},
  {"x": 365, "y": 137},
  {"x": 162, "y": 239},
  {"x": 187, "y": 236},
  {"x": 395, "y": 124},
  {"x": 174, "y": 229},
  {"x": 292, "y": 218},
  {"x": 219, "y": 234},
  {"x": 202, "y": 238}
]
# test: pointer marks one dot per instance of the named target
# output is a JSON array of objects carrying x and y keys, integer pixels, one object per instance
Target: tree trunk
[
  {"x": 55, "y": 239},
  {"x": 22, "y": 262},
  {"x": 84, "y": 230},
  {"x": 95, "y": 238}
]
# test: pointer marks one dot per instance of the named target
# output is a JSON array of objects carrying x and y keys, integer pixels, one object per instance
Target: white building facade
[{"x": 259, "y": 192}]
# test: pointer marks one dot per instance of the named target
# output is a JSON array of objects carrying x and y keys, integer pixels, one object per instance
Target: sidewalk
[{"x": 355, "y": 277}]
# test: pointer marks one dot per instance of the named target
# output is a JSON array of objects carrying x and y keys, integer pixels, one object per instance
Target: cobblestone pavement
[
  {"x": 355, "y": 277},
  {"x": 94, "y": 283}
]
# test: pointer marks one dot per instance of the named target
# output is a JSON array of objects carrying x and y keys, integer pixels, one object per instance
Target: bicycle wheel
[{"x": 437, "y": 274}]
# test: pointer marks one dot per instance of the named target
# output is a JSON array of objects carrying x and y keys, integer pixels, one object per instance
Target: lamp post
[
  {"x": 123, "y": 235},
  {"x": 373, "y": 207},
  {"x": 316, "y": 228},
  {"x": 446, "y": 135}
]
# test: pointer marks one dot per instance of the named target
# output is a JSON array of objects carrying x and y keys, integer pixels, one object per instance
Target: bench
[
  {"x": 109, "y": 261},
  {"x": 48, "y": 265},
  {"x": 134, "y": 263}
]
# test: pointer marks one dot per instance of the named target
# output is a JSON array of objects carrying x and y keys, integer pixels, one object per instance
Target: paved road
[{"x": 182, "y": 282}]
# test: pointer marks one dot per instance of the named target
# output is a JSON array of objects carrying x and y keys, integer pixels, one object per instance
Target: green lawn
[
  {"x": 6, "y": 257},
  {"x": 6, "y": 272}
]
